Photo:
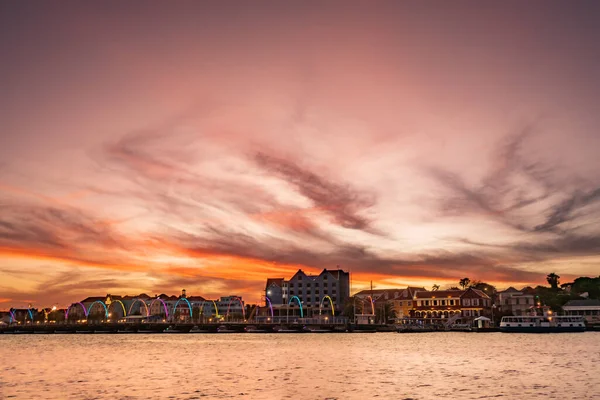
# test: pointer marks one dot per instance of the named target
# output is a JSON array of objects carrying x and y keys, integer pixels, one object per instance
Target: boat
[
  {"x": 254, "y": 329},
  {"x": 542, "y": 324},
  {"x": 225, "y": 329},
  {"x": 279, "y": 329},
  {"x": 196, "y": 329},
  {"x": 460, "y": 328},
  {"x": 171, "y": 329},
  {"x": 317, "y": 330}
]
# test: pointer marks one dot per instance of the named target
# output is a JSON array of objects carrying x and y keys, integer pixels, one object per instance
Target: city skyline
[{"x": 211, "y": 146}]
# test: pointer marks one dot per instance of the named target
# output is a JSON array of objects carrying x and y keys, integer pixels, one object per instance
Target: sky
[{"x": 155, "y": 146}]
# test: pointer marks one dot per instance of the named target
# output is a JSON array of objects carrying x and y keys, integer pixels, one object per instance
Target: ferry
[{"x": 542, "y": 324}]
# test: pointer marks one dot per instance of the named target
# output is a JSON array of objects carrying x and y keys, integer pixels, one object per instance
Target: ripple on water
[{"x": 327, "y": 366}]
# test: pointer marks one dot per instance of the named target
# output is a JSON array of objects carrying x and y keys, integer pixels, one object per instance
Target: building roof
[
  {"x": 509, "y": 290},
  {"x": 583, "y": 303},
  {"x": 478, "y": 292},
  {"x": 196, "y": 298},
  {"x": 275, "y": 281},
  {"x": 337, "y": 273},
  {"x": 94, "y": 298},
  {"x": 428, "y": 294}
]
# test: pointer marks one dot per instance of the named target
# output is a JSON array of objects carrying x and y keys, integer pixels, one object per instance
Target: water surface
[{"x": 301, "y": 366}]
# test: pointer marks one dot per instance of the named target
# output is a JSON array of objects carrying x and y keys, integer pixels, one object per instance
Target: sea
[{"x": 439, "y": 365}]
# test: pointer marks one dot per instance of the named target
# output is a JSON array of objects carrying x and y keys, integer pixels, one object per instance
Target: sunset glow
[{"x": 210, "y": 147}]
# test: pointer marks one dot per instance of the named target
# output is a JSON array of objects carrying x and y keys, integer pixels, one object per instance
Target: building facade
[
  {"x": 315, "y": 292},
  {"x": 515, "y": 302},
  {"x": 470, "y": 303},
  {"x": 588, "y": 308}
]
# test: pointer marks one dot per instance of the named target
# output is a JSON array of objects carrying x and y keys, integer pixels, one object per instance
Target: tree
[
  {"x": 553, "y": 280},
  {"x": 486, "y": 288},
  {"x": 583, "y": 284},
  {"x": 435, "y": 288},
  {"x": 464, "y": 283}
]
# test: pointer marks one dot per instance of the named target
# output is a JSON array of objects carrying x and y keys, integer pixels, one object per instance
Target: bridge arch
[
  {"x": 330, "y": 302},
  {"x": 101, "y": 303},
  {"x": 299, "y": 303},
  {"x": 122, "y": 306},
  {"x": 177, "y": 303},
  {"x": 13, "y": 318},
  {"x": 140, "y": 301},
  {"x": 164, "y": 306},
  {"x": 85, "y": 311},
  {"x": 241, "y": 304},
  {"x": 270, "y": 306},
  {"x": 372, "y": 304}
]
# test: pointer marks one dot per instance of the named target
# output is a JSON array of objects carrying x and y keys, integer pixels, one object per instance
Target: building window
[
  {"x": 308, "y": 284},
  {"x": 435, "y": 303},
  {"x": 299, "y": 285}
]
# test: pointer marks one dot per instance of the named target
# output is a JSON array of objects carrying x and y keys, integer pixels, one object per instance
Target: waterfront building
[
  {"x": 470, "y": 303},
  {"x": 588, "y": 308},
  {"x": 515, "y": 302},
  {"x": 274, "y": 290},
  {"x": 400, "y": 299},
  {"x": 311, "y": 290}
]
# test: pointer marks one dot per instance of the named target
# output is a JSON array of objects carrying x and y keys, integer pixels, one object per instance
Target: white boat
[{"x": 542, "y": 324}]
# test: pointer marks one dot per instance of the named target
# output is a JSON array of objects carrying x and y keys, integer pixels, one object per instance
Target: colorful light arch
[
  {"x": 177, "y": 303},
  {"x": 163, "y": 303},
  {"x": 241, "y": 304},
  {"x": 102, "y": 304},
  {"x": 270, "y": 306},
  {"x": 299, "y": 303},
  {"x": 372, "y": 304},
  {"x": 122, "y": 306},
  {"x": 140, "y": 301},
  {"x": 85, "y": 311},
  {"x": 330, "y": 302}
]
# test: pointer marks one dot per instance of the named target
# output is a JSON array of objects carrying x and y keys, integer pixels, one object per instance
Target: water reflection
[{"x": 301, "y": 366}]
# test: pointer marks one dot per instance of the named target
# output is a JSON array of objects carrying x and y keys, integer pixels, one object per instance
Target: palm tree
[
  {"x": 435, "y": 288},
  {"x": 464, "y": 282},
  {"x": 553, "y": 280}
]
